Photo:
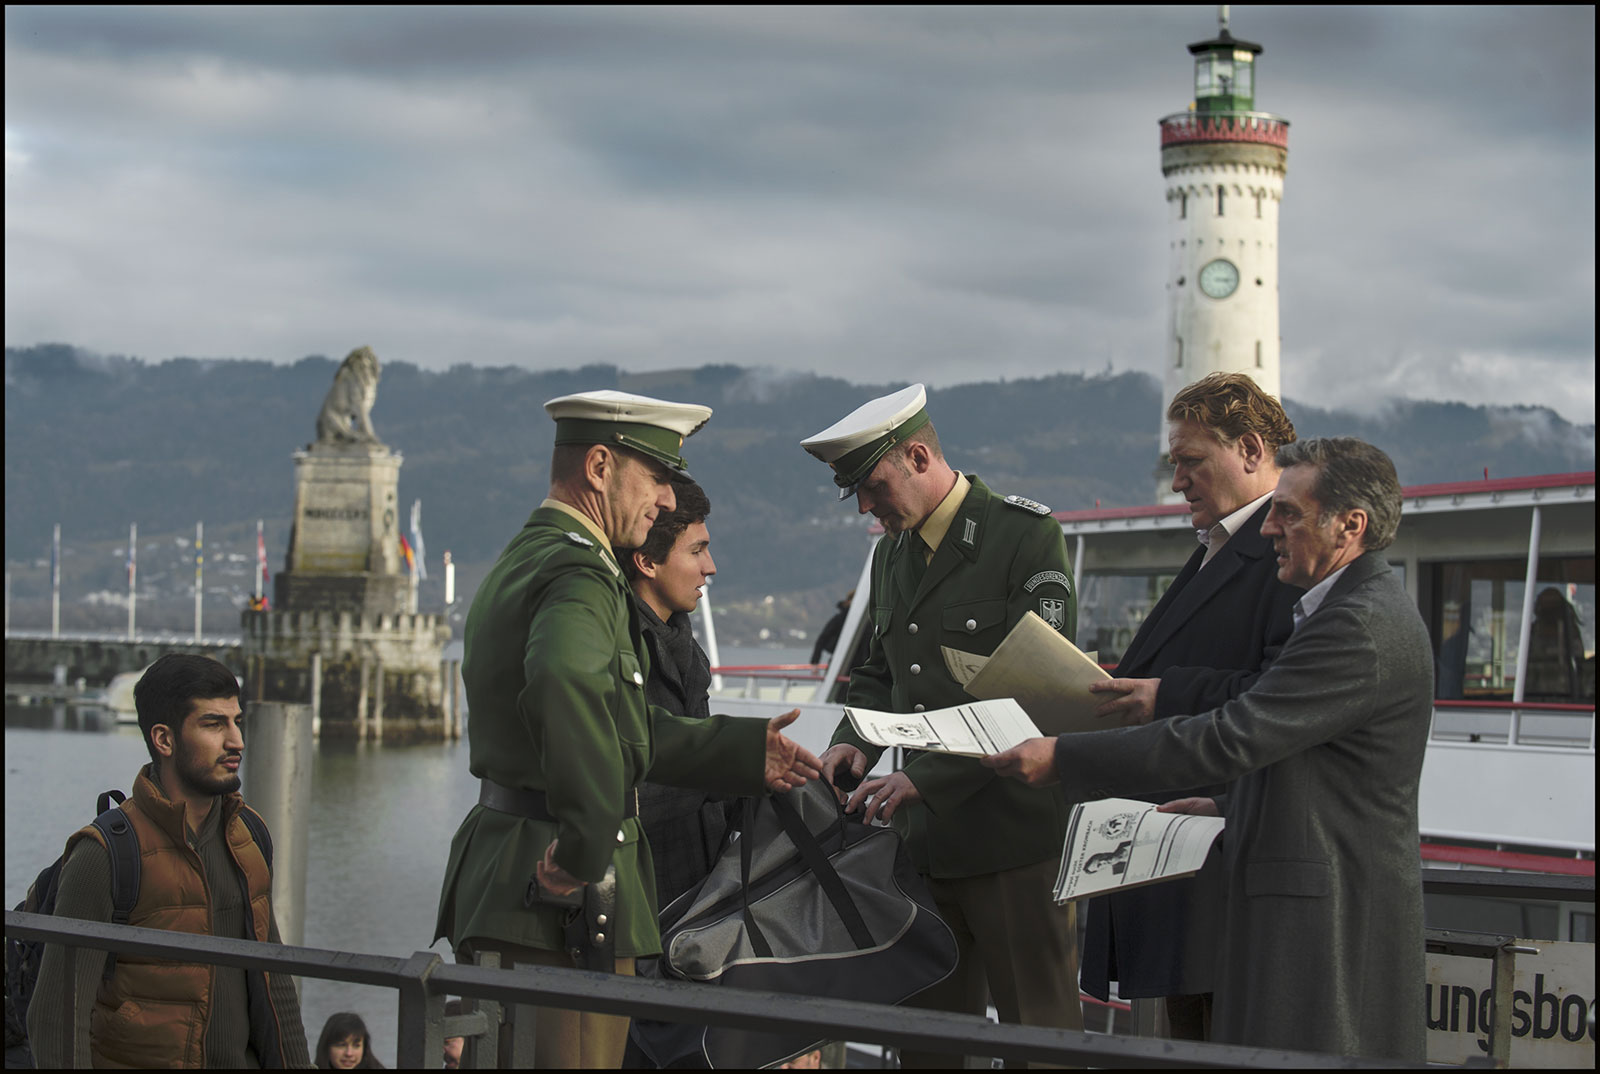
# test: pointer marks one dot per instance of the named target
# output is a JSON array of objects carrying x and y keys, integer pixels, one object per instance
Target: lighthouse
[{"x": 1223, "y": 163}]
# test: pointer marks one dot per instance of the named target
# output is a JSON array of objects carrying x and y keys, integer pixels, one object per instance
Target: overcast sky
[{"x": 946, "y": 194}]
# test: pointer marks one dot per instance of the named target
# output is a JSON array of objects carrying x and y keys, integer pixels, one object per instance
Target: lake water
[{"x": 381, "y": 822}]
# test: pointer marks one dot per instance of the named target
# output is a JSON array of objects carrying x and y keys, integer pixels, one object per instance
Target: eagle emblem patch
[
  {"x": 1028, "y": 505},
  {"x": 1053, "y": 612}
]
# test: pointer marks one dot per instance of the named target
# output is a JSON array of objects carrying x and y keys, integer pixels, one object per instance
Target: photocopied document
[
  {"x": 1119, "y": 843},
  {"x": 1047, "y": 674},
  {"x": 974, "y": 730}
]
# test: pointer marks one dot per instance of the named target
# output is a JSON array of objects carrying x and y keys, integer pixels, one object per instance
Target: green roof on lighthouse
[{"x": 1224, "y": 70}]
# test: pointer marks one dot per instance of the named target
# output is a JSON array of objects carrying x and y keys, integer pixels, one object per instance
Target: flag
[
  {"x": 416, "y": 540},
  {"x": 405, "y": 550},
  {"x": 261, "y": 558}
]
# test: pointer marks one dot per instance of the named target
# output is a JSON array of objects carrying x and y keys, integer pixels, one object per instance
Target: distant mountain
[{"x": 96, "y": 442}]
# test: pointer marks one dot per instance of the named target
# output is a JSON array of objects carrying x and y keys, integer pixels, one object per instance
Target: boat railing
[
  {"x": 771, "y": 680},
  {"x": 1514, "y": 723},
  {"x": 425, "y": 980}
]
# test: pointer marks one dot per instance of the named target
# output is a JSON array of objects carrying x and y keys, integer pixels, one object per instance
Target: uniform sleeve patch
[
  {"x": 1044, "y": 577},
  {"x": 1028, "y": 505}
]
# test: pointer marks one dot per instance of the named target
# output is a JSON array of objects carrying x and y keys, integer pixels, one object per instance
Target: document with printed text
[
  {"x": 1119, "y": 843},
  {"x": 974, "y": 730},
  {"x": 1047, "y": 674}
]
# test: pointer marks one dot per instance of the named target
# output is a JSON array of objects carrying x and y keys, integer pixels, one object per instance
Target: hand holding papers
[
  {"x": 974, "y": 730},
  {"x": 1118, "y": 843},
  {"x": 1047, "y": 675}
]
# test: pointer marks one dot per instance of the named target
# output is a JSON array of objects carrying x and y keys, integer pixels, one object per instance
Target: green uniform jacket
[
  {"x": 555, "y": 669},
  {"x": 999, "y": 559}
]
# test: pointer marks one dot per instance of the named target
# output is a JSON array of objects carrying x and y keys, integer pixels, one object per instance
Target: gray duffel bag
[{"x": 807, "y": 900}]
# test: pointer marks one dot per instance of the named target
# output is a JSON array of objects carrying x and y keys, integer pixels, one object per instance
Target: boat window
[
  {"x": 1475, "y": 617},
  {"x": 1111, "y": 607},
  {"x": 1508, "y": 917}
]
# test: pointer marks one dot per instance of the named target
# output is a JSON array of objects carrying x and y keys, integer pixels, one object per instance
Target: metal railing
[{"x": 424, "y": 981}]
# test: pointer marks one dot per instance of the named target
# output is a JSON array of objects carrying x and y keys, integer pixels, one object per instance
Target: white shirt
[
  {"x": 1312, "y": 598},
  {"x": 1217, "y": 536}
]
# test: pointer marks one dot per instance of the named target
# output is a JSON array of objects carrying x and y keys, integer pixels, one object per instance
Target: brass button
[
  {"x": 599, "y": 937},
  {"x": 600, "y": 919},
  {"x": 620, "y": 836},
  {"x": 972, "y": 625},
  {"x": 911, "y": 629},
  {"x": 638, "y": 678},
  {"x": 916, "y": 669},
  {"x": 916, "y": 708}
]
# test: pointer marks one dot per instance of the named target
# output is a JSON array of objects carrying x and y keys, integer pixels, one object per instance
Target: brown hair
[
  {"x": 1230, "y": 405},
  {"x": 693, "y": 506},
  {"x": 1351, "y": 475},
  {"x": 925, "y": 435}
]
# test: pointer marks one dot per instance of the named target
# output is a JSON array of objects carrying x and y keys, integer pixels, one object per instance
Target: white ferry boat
[{"x": 1503, "y": 572}]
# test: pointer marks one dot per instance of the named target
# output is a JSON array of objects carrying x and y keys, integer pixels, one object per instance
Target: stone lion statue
[{"x": 346, "y": 415}]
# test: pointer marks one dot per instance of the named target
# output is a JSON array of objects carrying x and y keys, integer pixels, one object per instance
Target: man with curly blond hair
[{"x": 1212, "y": 634}]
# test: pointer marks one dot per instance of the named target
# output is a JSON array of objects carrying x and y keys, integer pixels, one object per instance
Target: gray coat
[{"x": 1322, "y": 946}]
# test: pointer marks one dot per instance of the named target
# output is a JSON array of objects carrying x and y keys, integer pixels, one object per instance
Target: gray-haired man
[{"x": 1322, "y": 945}]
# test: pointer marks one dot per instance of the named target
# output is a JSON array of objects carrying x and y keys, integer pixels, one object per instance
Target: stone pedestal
[
  {"x": 343, "y": 625},
  {"x": 344, "y": 546}
]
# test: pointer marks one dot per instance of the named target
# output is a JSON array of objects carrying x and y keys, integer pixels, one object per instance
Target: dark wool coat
[
  {"x": 686, "y": 828},
  {"x": 1322, "y": 945},
  {"x": 1207, "y": 640}
]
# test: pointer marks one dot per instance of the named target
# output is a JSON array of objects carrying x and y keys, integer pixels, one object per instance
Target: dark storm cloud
[{"x": 944, "y": 193}]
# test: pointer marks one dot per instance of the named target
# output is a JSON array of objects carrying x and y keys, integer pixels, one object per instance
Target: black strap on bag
[
  {"x": 758, "y": 941},
  {"x": 815, "y": 860},
  {"x": 811, "y": 853}
]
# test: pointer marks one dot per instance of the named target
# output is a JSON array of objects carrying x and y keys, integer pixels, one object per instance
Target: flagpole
[
  {"x": 55, "y": 582},
  {"x": 199, "y": 562},
  {"x": 133, "y": 572},
  {"x": 261, "y": 547}
]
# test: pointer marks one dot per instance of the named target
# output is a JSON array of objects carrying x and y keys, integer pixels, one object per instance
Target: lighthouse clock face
[{"x": 1219, "y": 278}]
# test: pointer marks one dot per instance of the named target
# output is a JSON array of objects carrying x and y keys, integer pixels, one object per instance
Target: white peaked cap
[
  {"x": 854, "y": 444},
  {"x": 609, "y": 405},
  {"x": 652, "y": 427}
]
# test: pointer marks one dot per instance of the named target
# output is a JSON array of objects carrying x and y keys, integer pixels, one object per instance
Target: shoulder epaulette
[
  {"x": 579, "y": 539},
  {"x": 1026, "y": 504}
]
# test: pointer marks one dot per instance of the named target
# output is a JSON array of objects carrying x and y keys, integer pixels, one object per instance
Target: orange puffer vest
[{"x": 154, "y": 1012}]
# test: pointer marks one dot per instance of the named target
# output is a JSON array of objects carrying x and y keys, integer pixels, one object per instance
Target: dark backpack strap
[
  {"x": 758, "y": 941},
  {"x": 811, "y": 853},
  {"x": 258, "y": 832},
  {"x": 122, "y": 848}
]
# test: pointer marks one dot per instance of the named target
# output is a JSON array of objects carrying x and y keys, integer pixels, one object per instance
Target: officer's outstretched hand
[
  {"x": 1033, "y": 762},
  {"x": 789, "y": 764}
]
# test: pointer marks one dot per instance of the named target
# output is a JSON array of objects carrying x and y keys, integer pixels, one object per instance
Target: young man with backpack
[{"x": 203, "y": 867}]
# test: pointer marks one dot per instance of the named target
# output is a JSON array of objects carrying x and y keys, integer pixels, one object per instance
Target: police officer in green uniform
[
  {"x": 551, "y": 868},
  {"x": 958, "y": 566}
]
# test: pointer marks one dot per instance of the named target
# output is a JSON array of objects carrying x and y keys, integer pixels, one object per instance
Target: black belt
[{"x": 531, "y": 804}]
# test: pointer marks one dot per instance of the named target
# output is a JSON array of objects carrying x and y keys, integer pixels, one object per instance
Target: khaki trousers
[
  {"x": 1017, "y": 948},
  {"x": 562, "y": 1039}
]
